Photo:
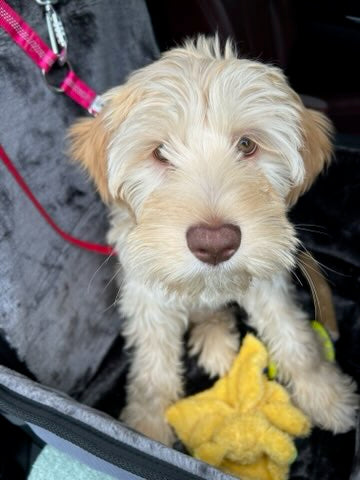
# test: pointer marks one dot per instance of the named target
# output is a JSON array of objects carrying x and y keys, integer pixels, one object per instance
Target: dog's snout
[{"x": 213, "y": 245}]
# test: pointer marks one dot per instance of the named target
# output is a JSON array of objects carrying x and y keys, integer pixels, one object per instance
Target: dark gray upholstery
[{"x": 55, "y": 299}]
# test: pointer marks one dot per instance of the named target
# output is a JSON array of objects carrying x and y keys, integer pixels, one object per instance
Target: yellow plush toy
[{"x": 245, "y": 423}]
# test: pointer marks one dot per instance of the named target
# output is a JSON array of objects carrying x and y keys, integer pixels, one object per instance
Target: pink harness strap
[
  {"x": 79, "y": 91},
  {"x": 42, "y": 55},
  {"x": 26, "y": 38}
]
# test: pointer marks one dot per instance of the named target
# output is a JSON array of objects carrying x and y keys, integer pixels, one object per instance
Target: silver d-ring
[
  {"x": 52, "y": 87},
  {"x": 46, "y": 2}
]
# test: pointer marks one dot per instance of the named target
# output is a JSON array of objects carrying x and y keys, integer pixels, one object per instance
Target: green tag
[
  {"x": 326, "y": 342},
  {"x": 272, "y": 370},
  {"x": 324, "y": 337}
]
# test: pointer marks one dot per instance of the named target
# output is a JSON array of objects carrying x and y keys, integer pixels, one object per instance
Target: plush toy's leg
[
  {"x": 154, "y": 334},
  {"x": 318, "y": 387},
  {"x": 214, "y": 338}
]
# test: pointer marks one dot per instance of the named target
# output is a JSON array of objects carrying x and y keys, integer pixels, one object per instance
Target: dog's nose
[{"x": 213, "y": 244}]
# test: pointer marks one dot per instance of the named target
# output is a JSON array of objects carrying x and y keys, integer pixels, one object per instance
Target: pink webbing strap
[
  {"x": 76, "y": 89},
  {"x": 36, "y": 49},
  {"x": 26, "y": 38}
]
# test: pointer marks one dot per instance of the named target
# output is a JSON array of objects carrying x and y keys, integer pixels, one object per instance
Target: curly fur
[{"x": 196, "y": 102}]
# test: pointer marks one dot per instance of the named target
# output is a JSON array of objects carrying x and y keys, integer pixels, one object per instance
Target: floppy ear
[
  {"x": 316, "y": 152},
  {"x": 88, "y": 145},
  {"x": 90, "y": 137}
]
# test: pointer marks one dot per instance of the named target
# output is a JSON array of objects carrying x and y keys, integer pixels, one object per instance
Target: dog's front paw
[
  {"x": 216, "y": 342},
  {"x": 328, "y": 397},
  {"x": 151, "y": 424}
]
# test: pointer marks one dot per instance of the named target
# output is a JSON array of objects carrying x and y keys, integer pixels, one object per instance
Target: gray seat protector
[
  {"x": 102, "y": 423},
  {"x": 55, "y": 299}
]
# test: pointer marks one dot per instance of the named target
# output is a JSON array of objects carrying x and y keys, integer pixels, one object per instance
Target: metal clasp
[
  {"x": 54, "y": 88},
  {"x": 57, "y": 35}
]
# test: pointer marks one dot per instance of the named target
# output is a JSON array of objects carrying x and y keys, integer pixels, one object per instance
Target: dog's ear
[
  {"x": 88, "y": 145},
  {"x": 316, "y": 151},
  {"x": 89, "y": 137}
]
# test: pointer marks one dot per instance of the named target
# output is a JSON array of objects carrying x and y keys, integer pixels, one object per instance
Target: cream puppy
[{"x": 199, "y": 156}]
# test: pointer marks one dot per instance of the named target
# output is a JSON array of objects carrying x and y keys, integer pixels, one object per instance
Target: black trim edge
[{"x": 89, "y": 439}]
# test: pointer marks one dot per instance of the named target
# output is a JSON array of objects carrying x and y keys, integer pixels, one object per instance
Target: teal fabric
[{"x": 52, "y": 464}]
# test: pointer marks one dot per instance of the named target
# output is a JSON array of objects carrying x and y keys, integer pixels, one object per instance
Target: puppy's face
[{"x": 208, "y": 152}]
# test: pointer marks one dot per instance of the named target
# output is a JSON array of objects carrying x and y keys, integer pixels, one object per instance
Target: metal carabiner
[
  {"x": 45, "y": 2},
  {"x": 57, "y": 35}
]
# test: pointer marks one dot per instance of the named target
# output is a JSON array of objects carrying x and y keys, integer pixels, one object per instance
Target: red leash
[
  {"x": 94, "y": 247},
  {"x": 72, "y": 86}
]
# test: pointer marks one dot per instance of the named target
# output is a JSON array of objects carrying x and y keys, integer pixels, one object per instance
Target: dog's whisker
[
  {"x": 97, "y": 271},
  {"x": 321, "y": 267},
  {"x": 329, "y": 269},
  {"x": 297, "y": 277},
  {"x": 324, "y": 268},
  {"x": 114, "y": 303},
  {"x": 313, "y": 289},
  {"x": 310, "y": 230},
  {"x": 309, "y": 225},
  {"x": 113, "y": 277},
  {"x": 110, "y": 307},
  {"x": 320, "y": 271}
]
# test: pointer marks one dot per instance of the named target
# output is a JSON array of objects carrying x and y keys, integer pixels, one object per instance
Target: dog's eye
[
  {"x": 246, "y": 146},
  {"x": 159, "y": 156}
]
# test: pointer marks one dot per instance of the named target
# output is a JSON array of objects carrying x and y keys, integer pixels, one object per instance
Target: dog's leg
[
  {"x": 154, "y": 333},
  {"x": 318, "y": 387},
  {"x": 214, "y": 338}
]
